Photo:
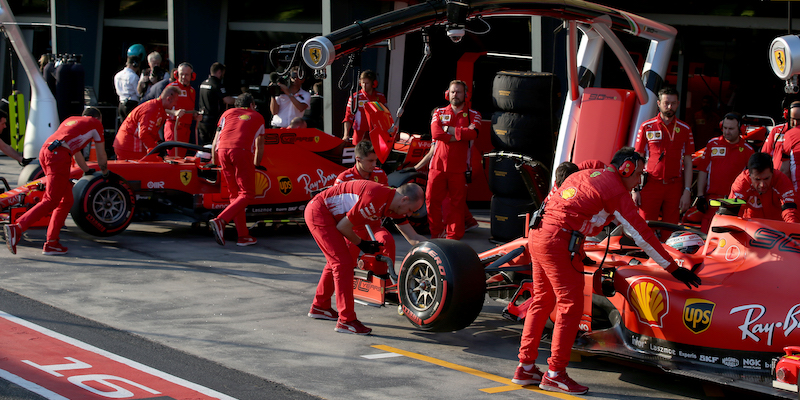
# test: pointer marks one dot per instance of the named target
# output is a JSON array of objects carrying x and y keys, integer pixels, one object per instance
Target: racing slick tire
[
  {"x": 103, "y": 206},
  {"x": 525, "y": 91},
  {"x": 507, "y": 217},
  {"x": 442, "y": 285},
  {"x": 521, "y": 133},
  {"x": 418, "y": 220},
  {"x": 504, "y": 179},
  {"x": 30, "y": 173}
]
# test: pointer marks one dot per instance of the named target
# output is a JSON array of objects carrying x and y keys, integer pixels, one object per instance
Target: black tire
[
  {"x": 441, "y": 285},
  {"x": 524, "y": 134},
  {"x": 103, "y": 206},
  {"x": 525, "y": 91},
  {"x": 508, "y": 218},
  {"x": 418, "y": 220},
  {"x": 504, "y": 179},
  {"x": 30, "y": 172}
]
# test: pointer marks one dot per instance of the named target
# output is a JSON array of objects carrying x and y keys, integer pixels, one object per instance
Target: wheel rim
[
  {"x": 108, "y": 205},
  {"x": 422, "y": 285}
]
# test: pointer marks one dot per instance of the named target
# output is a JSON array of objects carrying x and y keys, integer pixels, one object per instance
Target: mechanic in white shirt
[{"x": 125, "y": 82}]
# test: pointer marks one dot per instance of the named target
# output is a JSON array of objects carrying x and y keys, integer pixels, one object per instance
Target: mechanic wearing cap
[
  {"x": 585, "y": 202},
  {"x": 125, "y": 83},
  {"x": 292, "y": 103},
  {"x": 179, "y": 128},
  {"x": 238, "y": 147},
  {"x": 453, "y": 128},
  {"x": 667, "y": 144},
  {"x": 213, "y": 99},
  {"x": 355, "y": 116},
  {"x": 724, "y": 159},
  {"x": 139, "y": 132},
  {"x": 331, "y": 217},
  {"x": 367, "y": 168},
  {"x": 55, "y": 157},
  {"x": 768, "y": 193}
]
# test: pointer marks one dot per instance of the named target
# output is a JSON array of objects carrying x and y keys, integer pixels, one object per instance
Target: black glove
[
  {"x": 89, "y": 171},
  {"x": 261, "y": 168},
  {"x": 409, "y": 169},
  {"x": 702, "y": 204},
  {"x": 370, "y": 246},
  {"x": 687, "y": 277},
  {"x": 25, "y": 161}
]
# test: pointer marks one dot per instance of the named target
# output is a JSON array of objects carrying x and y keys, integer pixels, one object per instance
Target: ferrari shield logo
[
  {"x": 316, "y": 54},
  {"x": 780, "y": 59},
  {"x": 316, "y": 139},
  {"x": 285, "y": 185},
  {"x": 697, "y": 314},
  {"x": 186, "y": 177}
]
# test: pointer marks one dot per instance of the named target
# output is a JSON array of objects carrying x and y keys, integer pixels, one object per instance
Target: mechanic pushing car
[
  {"x": 68, "y": 140},
  {"x": 331, "y": 217},
  {"x": 139, "y": 132},
  {"x": 367, "y": 168},
  {"x": 239, "y": 147},
  {"x": 585, "y": 202}
]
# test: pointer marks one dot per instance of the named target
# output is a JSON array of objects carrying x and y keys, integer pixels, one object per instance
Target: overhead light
[{"x": 456, "y": 20}]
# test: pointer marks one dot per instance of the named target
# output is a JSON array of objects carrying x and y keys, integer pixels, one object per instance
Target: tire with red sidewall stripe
[
  {"x": 442, "y": 285},
  {"x": 103, "y": 206}
]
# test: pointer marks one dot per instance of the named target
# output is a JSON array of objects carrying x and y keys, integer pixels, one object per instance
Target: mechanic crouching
[
  {"x": 67, "y": 142},
  {"x": 584, "y": 203},
  {"x": 331, "y": 217}
]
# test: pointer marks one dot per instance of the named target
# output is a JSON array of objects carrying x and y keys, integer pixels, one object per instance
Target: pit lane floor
[{"x": 242, "y": 311}]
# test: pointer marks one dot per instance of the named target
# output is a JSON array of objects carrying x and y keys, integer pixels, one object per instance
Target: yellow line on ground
[{"x": 499, "y": 379}]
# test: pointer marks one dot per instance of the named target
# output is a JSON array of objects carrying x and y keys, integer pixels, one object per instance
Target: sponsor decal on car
[
  {"x": 186, "y": 177},
  {"x": 649, "y": 299},
  {"x": 285, "y": 185},
  {"x": 697, "y": 314},
  {"x": 754, "y": 330},
  {"x": 155, "y": 185},
  {"x": 321, "y": 181},
  {"x": 709, "y": 359},
  {"x": 730, "y": 362},
  {"x": 263, "y": 184}
]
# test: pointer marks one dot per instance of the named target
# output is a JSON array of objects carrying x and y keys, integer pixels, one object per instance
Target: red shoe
[
  {"x": 524, "y": 377},
  {"x": 218, "y": 227},
  {"x": 562, "y": 383},
  {"x": 323, "y": 313},
  {"x": 246, "y": 241},
  {"x": 12, "y": 232},
  {"x": 54, "y": 249},
  {"x": 354, "y": 326}
]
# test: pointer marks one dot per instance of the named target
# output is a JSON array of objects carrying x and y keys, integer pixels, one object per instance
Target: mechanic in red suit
[
  {"x": 587, "y": 201},
  {"x": 186, "y": 100},
  {"x": 768, "y": 193},
  {"x": 789, "y": 152},
  {"x": 238, "y": 148},
  {"x": 331, "y": 217},
  {"x": 452, "y": 127},
  {"x": 358, "y": 120},
  {"x": 667, "y": 144},
  {"x": 367, "y": 168},
  {"x": 55, "y": 157},
  {"x": 139, "y": 132},
  {"x": 725, "y": 158},
  {"x": 775, "y": 138}
]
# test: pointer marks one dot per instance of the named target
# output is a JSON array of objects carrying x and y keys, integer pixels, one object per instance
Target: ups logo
[
  {"x": 697, "y": 314},
  {"x": 285, "y": 185}
]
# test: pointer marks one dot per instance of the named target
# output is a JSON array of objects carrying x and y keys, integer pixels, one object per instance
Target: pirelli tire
[
  {"x": 441, "y": 285},
  {"x": 525, "y": 91},
  {"x": 30, "y": 173},
  {"x": 103, "y": 206},
  {"x": 504, "y": 179},
  {"x": 526, "y": 134}
]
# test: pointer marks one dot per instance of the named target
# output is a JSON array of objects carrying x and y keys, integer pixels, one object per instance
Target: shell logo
[
  {"x": 595, "y": 174},
  {"x": 650, "y": 300},
  {"x": 70, "y": 123},
  {"x": 244, "y": 117},
  {"x": 568, "y": 193},
  {"x": 262, "y": 184}
]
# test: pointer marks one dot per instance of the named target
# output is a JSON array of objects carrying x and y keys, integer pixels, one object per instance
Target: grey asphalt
[{"x": 244, "y": 309}]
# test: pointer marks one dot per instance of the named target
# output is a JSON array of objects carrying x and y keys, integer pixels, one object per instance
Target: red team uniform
[
  {"x": 74, "y": 133},
  {"x": 790, "y": 148},
  {"x": 359, "y": 119},
  {"x": 769, "y": 205},
  {"x": 774, "y": 141},
  {"x": 239, "y": 129},
  {"x": 185, "y": 102},
  {"x": 447, "y": 168},
  {"x": 723, "y": 162},
  {"x": 664, "y": 148},
  {"x": 362, "y": 202},
  {"x": 139, "y": 132}
]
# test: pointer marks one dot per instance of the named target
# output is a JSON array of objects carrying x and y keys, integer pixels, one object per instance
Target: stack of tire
[{"x": 524, "y": 124}]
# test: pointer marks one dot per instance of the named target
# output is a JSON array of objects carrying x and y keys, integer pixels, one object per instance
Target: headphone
[
  {"x": 788, "y": 110},
  {"x": 467, "y": 96},
  {"x": 738, "y": 118},
  {"x": 184, "y": 64},
  {"x": 628, "y": 165}
]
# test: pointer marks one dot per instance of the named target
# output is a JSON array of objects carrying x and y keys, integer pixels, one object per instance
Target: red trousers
[
  {"x": 338, "y": 272},
  {"x": 182, "y": 135},
  {"x": 441, "y": 185},
  {"x": 662, "y": 198},
  {"x": 57, "y": 193},
  {"x": 240, "y": 175},
  {"x": 382, "y": 235},
  {"x": 557, "y": 283},
  {"x": 128, "y": 155}
]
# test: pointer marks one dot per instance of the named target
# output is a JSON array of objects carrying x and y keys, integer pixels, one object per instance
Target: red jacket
[
  {"x": 139, "y": 131},
  {"x": 76, "y": 132},
  {"x": 770, "y": 205},
  {"x": 239, "y": 128},
  {"x": 350, "y": 174},
  {"x": 723, "y": 162},
  {"x": 664, "y": 147},
  {"x": 359, "y": 118},
  {"x": 453, "y": 156},
  {"x": 185, "y": 102},
  {"x": 361, "y": 201}
]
